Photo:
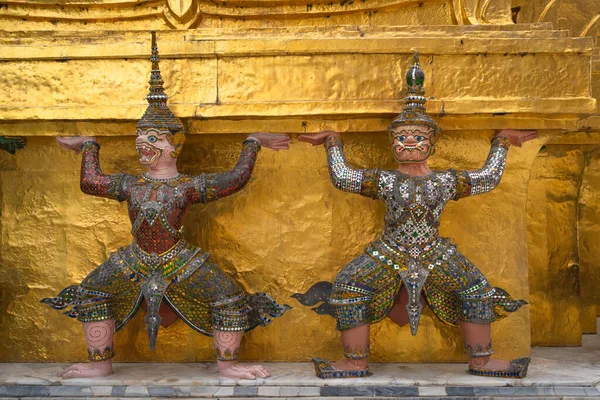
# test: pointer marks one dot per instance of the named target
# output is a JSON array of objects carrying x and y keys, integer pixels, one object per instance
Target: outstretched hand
[
  {"x": 74, "y": 142},
  {"x": 516, "y": 137},
  {"x": 275, "y": 141},
  {"x": 316, "y": 138}
]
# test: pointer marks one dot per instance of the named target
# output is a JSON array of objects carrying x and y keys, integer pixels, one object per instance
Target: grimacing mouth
[
  {"x": 420, "y": 146},
  {"x": 148, "y": 154},
  {"x": 412, "y": 153}
]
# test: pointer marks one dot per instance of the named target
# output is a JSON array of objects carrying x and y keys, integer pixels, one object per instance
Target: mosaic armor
[
  {"x": 410, "y": 250},
  {"x": 159, "y": 264}
]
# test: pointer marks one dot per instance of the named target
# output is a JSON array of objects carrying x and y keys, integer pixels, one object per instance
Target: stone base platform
[{"x": 563, "y": 373}]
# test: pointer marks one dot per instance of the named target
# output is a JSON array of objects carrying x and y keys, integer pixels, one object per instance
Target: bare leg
[
  {"x": 481, "y": 335},
  {"x": 227, "y": 347},
  {"x": 99, "y": 338},
  {"x": 356, "y": 348}
]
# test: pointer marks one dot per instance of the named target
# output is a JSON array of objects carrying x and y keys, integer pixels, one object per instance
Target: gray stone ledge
[{"x": 555, "y": 373}]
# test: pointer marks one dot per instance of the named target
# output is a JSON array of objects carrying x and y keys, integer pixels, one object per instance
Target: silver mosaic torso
[
  {"x": 415, "y": 203},
  {"x": 414, "y": 206}
]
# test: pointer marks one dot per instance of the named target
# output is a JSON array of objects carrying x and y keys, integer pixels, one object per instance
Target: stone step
[
  {"x": 295, "y": 392},
  {"x": 554, "y": 373}
]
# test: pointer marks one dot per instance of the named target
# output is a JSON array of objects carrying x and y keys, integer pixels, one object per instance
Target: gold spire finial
[{"x": 157, "y": 114}]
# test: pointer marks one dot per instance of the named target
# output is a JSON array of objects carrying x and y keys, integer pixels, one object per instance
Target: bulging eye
[
  {"x": 401, "y": 138},
  {"x": 152, "y": 139},
  {"x": 419, "y": 138}
]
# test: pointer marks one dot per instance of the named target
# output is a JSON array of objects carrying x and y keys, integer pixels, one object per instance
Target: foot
[
  {"x": 342, "y": 369},
  {"x": 484, "y": 366},
  {"x": 242, "y": 371},
  {"x": 491, "y": 364},
  {"x": 350, "y": 365},
  {"x": 90, "y": 370}
]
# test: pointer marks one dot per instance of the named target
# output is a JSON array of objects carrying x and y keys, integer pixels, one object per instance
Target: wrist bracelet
[
  {"x": 333, "y": 141},
  {"x": 87, "y": 144},
  {"x": 501, "y": 141},
  {"x": 252, "y": 140}
]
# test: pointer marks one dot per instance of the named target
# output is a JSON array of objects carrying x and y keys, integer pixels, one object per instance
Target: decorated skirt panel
[
  {"x": 210, "y": 299},
  {"x": 113, "y": 291},
  {"x": 365, "y": 290},
  {"x": 198, "y": 291},
  {"x": 457, "y": 291}
]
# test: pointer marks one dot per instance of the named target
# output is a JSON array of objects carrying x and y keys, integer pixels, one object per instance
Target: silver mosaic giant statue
[{"x": 410, "y": 266}]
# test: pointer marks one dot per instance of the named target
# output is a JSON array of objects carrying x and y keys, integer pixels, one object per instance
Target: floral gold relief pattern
[
  {"x": 185, "y": 14},
  {"x": 179, "y": 8},
  {"x": 182, "y": 14}
]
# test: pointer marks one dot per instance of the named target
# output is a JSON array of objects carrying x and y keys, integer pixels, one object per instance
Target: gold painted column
[
  {"x": 589, "y": 243},
  {"x": 554, "y": 264}
]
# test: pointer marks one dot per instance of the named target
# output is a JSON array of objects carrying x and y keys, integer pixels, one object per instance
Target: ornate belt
[
  {"x": 414, "y": 251},
  {"x": 155, "y": 260}
]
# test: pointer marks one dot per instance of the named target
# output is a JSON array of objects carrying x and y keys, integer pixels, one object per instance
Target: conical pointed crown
[
  {"x": 414, "y": 112},
  {"x": 157, "y": 114}
]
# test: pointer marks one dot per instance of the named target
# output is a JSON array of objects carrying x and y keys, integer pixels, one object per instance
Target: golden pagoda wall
[
  {"x": 288, "y": 229},
  {"x": 280, "y": 68}
]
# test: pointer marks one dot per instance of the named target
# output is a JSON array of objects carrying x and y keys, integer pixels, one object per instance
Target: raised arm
[
  {"x": 211, "y": 187},
  {"x": 487, "y": 178},
  {"x": 343, "y": 176},
  {"x": 92, "y": 180}
]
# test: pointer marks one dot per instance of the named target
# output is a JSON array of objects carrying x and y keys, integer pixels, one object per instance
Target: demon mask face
[{"x": 412, "y": 143}]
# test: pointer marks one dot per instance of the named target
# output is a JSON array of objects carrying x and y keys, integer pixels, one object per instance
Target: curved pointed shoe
[
  {"x": 517, "y": 370},
  {"x": 325, "y": 370}
]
